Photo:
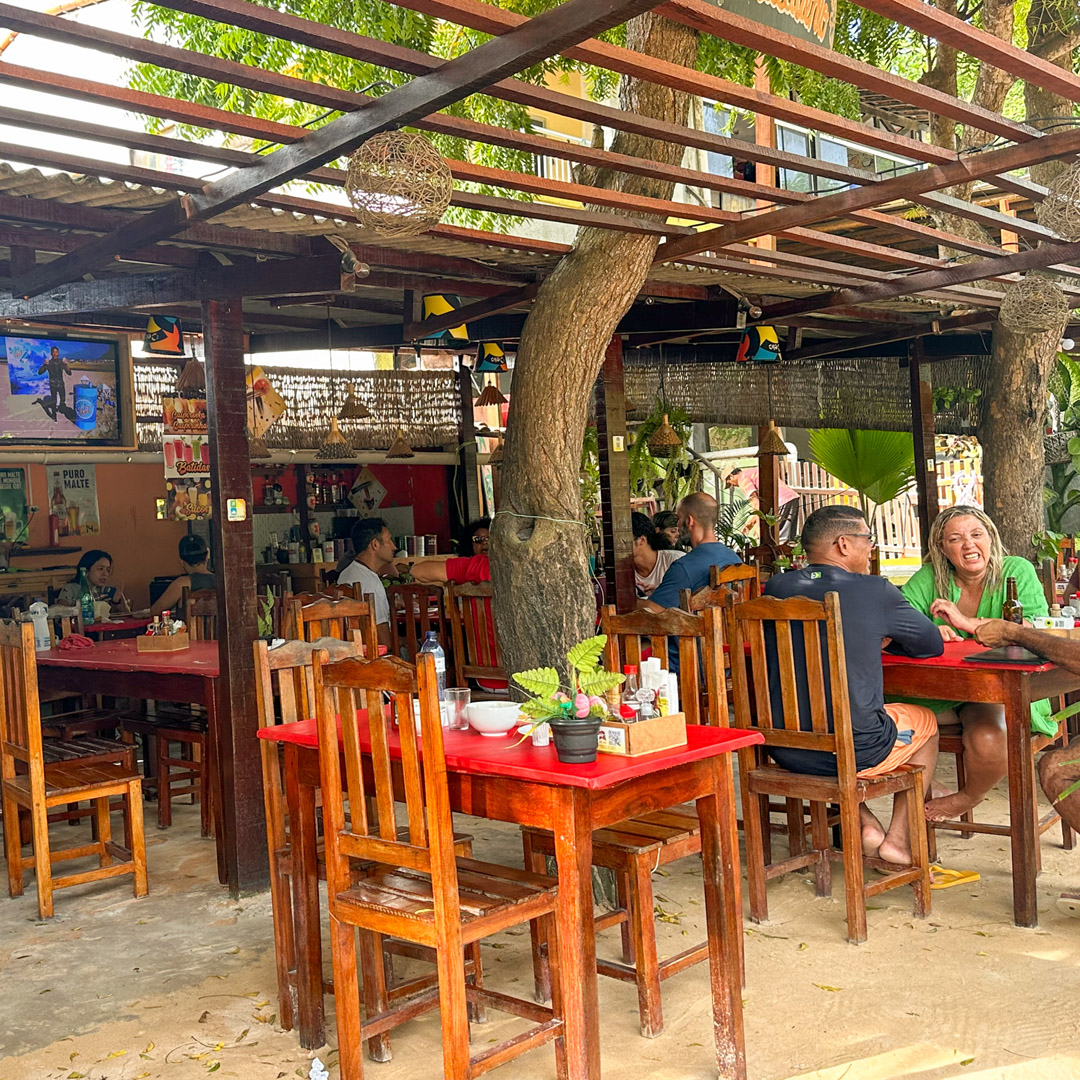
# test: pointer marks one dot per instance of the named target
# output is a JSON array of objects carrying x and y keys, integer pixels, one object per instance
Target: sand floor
[{"x": 181, "y": 984}]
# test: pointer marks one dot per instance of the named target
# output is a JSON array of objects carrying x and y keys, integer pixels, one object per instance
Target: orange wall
[{"x": 141, "y": 546}]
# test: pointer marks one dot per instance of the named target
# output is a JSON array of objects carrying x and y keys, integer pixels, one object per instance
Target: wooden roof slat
[
  {"x": 869, "y": 341},
  {"x": 536, "y": 40}
]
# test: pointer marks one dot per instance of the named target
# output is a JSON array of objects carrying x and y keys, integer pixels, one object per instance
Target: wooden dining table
[
  {"x": 953, "y": 677},
  {"x": 496, "y": 779},
  {"x": 116, "y": 668}
]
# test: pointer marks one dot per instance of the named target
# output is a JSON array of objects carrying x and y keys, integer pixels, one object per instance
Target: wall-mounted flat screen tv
[{"x": 65, "y": 390}]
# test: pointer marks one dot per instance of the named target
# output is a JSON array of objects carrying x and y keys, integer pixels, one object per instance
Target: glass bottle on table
[
  {"x": 86, "y": 599},
  {"x": 1012, "y": 610}
]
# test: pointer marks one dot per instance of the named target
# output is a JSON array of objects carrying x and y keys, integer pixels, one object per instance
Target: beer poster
[
  {"x": 73, "y": 499},
  {"x": 13, "y": 513}
]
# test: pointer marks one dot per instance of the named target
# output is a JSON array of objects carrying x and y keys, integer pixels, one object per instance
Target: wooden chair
[
  {"x": 414, "y": 889},
  {"x": 412, "y": 617},
  {"x": 27, "y": 784},
  {"x": 635, "y": 848},
  {"x": 740, "y": 581},
  {"x": 285, "y": 694},
  {"x": 796, "y": 625},
  {"x": 472, "y": 629},
  {"x": 200, "y": 613},
  {"x": 334, "y": 619}
]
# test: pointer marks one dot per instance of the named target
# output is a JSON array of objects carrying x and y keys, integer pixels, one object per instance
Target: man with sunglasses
[{"x": 874, "y": 614}]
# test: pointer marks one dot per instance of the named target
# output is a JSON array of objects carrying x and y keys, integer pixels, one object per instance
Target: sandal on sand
[
  {"x": 1068, "y": 903},
  {"x": 940, "y": 878}
]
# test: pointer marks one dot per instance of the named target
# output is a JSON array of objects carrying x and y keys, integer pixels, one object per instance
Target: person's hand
[
  {"x": 948, "y": 633},
  {"x": 947, "y": 610},
  {"x": 994, "y": 632}
]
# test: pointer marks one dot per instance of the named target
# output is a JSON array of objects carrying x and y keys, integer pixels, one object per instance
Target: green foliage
[
  {"x": 589, "y": 479},
  {"x": 597, "y": 683},
  {"x": 733, "y": 519},
  {"x": 585, "y": 655},
  {"x": 1047, "y": 544},
  {"x": 540, "y": 681},
  {"x": 879, "y": 465},
  {"x": 265, "y": 616},
  {"x": 672, "y": 478},
  {"x": 552, "y": 701}
]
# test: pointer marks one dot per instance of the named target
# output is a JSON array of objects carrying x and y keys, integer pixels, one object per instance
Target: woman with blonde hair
[{"x": 961, "y": 583}]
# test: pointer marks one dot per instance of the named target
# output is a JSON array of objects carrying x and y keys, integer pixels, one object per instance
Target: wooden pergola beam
[
  {"x": 913, "y": 284},
  {"x": 906, "y": 186},
  {"x": 909, "y": 333},
  {"x": 505, "y": 301},
  {"x": 536, "y": 40},
  {"x": 974, "y": 41}
]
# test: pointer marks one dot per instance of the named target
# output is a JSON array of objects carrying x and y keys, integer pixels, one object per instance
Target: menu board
[
  {"x": 13, "y": 502},
  {"x": 186, "y": 450}
]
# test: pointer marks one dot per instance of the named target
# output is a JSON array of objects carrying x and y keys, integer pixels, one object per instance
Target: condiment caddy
[{"x": 164, "y": 634}]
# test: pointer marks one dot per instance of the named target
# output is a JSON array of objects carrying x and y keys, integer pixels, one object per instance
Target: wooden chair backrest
[
  {"x": 740, "y": 581},
  {"x": 625, "y": 634},
  {"x": 20, "y": 713},
  {"x": 422, "y": 790},
  {"x": 412, "y": 617},
  {"x": 802, "y": 629},
  {"x": 338, "y": 618},
  {"x": 62, "y": 626},
  {"x": 200, "y": 608},
  {"x": 472, "y": 625},
  {"x": 285, "y": 693}
]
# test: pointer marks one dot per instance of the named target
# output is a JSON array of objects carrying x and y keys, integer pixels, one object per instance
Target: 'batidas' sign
[{"x": 811, "y": 20}]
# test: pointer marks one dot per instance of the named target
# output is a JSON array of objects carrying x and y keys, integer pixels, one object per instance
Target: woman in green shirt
[{"x": 963, "y": 582}]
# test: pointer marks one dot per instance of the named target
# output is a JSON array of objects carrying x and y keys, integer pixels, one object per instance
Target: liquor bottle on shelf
[{"x": 333, "y": 491}]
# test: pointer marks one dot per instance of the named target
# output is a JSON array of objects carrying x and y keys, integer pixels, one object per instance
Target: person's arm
[
  {"x": 429, "y": 571},
  {"x": 912, "y": 633},
  {"x": 920, "y": 593},
  {"x": 1064, "y": 652},
  {"x": 172, "y": 596},
  {"x": 954, "y": 618}
]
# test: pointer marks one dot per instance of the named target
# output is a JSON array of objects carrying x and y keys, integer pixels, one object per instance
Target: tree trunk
[
  {"x": 1011, "y": 433},
  {"x": 542, "y": 599}
]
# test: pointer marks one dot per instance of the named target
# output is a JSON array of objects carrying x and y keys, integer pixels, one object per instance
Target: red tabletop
[
  {"x": 115, "y": 625},
  {"x": 201, "y": 658},
  {"x": 470, "y": 752},
  {"x": 953, "y": 657}
]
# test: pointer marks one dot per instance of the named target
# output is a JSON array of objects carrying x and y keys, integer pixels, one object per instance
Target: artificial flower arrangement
[{"x": 554, "y": 703}]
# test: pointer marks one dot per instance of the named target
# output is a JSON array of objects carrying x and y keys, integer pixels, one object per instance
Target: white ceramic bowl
[{"x": 493, "y": 717}]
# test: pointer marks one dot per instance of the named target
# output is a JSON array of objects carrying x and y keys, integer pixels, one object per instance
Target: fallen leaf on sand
[{"x": 831, "y": 989}]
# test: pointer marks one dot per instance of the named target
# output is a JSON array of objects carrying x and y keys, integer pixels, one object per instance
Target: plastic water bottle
[
  {"x": 39, "y": 616},
  {"x": 86, "y": 599},
  {"x": 431, "y": 645}
]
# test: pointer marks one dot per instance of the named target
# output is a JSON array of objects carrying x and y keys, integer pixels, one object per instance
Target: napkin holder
[
  {"x": 642, "y": 736},
  {"x": 163, "y": 642}
]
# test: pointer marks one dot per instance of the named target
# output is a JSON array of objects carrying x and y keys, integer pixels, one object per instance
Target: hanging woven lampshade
[
  {"x": 496, "y": 457},
  {"x": 193, "y": 377},
  {"x": 257, "y": 448},
  {"x": 353, "y": 409},
  {"x": 335, "y": 447},
  {"x": 490, "y": 395},
  {"x": 773, "y": 443},
  {"x": 1060, "y": 210},
  {"x": 664, "y": 441},
  {"x": 1033, "y": 303},
  {"x": 399, "y": 184},
  {"x": 399, "y": 448}
]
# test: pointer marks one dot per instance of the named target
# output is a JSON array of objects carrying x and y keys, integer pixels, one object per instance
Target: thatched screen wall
[
  {"x": 846, "y": 392},
  {"x": 424, "y": 404}
]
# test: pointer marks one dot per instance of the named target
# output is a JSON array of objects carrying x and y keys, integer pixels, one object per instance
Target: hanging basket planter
[
  {"x": 398, "y": 184},
  {"x": 664, "y": 441}
]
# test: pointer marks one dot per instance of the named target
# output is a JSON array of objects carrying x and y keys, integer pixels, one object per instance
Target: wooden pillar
[
  {"x": 764, "y": 135},
  {"x": 922, "y": 432},
  {"x": 468, "y": 483},
  {"x": 615, "y": 479},
  {"x": 241, "y": 819},
  {"x": 768, "y": 486}
]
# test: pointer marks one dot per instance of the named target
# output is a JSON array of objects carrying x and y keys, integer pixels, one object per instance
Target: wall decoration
[{"x": 73, "y": 499}]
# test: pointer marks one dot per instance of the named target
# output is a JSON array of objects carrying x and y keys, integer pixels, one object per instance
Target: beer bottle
[{"x": 1012, "y": 610}]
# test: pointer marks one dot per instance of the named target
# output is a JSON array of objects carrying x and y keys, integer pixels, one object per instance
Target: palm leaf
[
  {"x": 598, "y": 683},
  {"x": 543, "y": 682},
  {"x": 879, "y": 465},
  {"x": 585, "y": 655}
]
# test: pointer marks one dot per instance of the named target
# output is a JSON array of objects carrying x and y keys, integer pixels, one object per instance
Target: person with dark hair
[
  {"x": 374, "y": 556},
  {"x": 475, "y": 539},
  {"x": 666, "y": 524},
  {"x": 98, "y": 565},
  {"x": 697, "y": 522},
  {"x": 874, "y": 614},
  {"x": 194, "y": 555},
  {"x": 652, "y": 555}
]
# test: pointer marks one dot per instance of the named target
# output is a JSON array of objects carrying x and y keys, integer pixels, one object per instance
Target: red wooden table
[
  {"x": 492, "y": 778},
  {"x": 120, "y": 627},
  {"x": 118, "y": 669},
  {"x": 1016, "y": 686}
]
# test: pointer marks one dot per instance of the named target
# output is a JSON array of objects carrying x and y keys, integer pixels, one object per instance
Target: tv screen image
[{"x": 61, "y": 390}]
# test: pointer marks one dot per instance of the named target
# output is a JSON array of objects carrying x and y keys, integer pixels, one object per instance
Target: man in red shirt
[{"x": 787, "y": 500}]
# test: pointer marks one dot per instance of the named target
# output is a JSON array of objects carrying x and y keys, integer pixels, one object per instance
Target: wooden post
[
  {"x": 922, "y": 432},
  {"x": 768, "y": 486},
  {"x": 615, "y": 479},
  {"x": 468, "y": 483},
  {"x": 241, "y": 822}
]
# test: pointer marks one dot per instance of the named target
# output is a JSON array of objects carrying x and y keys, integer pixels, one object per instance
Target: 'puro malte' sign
[{"x": 811, "y": 20}]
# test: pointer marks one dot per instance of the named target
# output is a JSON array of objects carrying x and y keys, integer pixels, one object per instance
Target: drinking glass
[{"x": 457, "y": 704}]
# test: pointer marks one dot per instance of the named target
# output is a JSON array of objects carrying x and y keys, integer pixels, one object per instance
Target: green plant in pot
[
  {"x": 573, "y": 712},
  {"x": 265, "y": 616}
]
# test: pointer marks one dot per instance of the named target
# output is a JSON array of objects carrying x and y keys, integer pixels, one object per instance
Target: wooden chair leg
[
  {"x": 961, "y": 783},
  {"x": 920, "y": 853},
  {"x": 346, "y": 1000},
  {"x": 756, "y": 823},
  {"x": 104, "y": 830},
  {"x": 13, "y": 846},
  {"x": 453, "y": 1011},
  {"x": 1035, "y": 815},
  {"x": 622, "y": 892},
  {"x": 819, "y": 836},
  {"x": 477, "y": 1012},
  {"x": 643, "y": 921},
  {"x": 1068, "y": 837},
  {"x": 205, "y": 824},
  {"x": 796, "y": 827},
  {"x": 39, "y": 825},
  {"x": 547, "y": 930},
  {"x": 851, "y": 831},
  {"x": 134, "y": 828},
  {"x": 284, "y": 946},
  {"x": 373, "y": 982},
  {"x": 164, "y": 784},
  {"x": 541, "y": 976}
]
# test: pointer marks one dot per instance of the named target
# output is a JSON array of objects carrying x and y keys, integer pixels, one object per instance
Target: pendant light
[
  {"x": 335, "y": 447},
  {"x": 399, "y": 448},
  {"x": 664, "y": 441}
]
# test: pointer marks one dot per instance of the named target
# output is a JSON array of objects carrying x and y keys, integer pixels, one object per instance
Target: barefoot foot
[
  {"x": 872, "y": 836},
  {"x": 937, "y": 791},
  {"x": 950, "y": 807},
  {"x": 896, "y": 852}
]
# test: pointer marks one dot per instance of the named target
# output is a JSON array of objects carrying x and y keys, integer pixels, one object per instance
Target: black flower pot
[{"x": 576, "y": 740}]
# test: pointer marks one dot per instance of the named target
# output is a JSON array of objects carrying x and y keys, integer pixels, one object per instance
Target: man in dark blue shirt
[
  {"x": 838, "y": 543},
  {"x": 697, "y": 521}
]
